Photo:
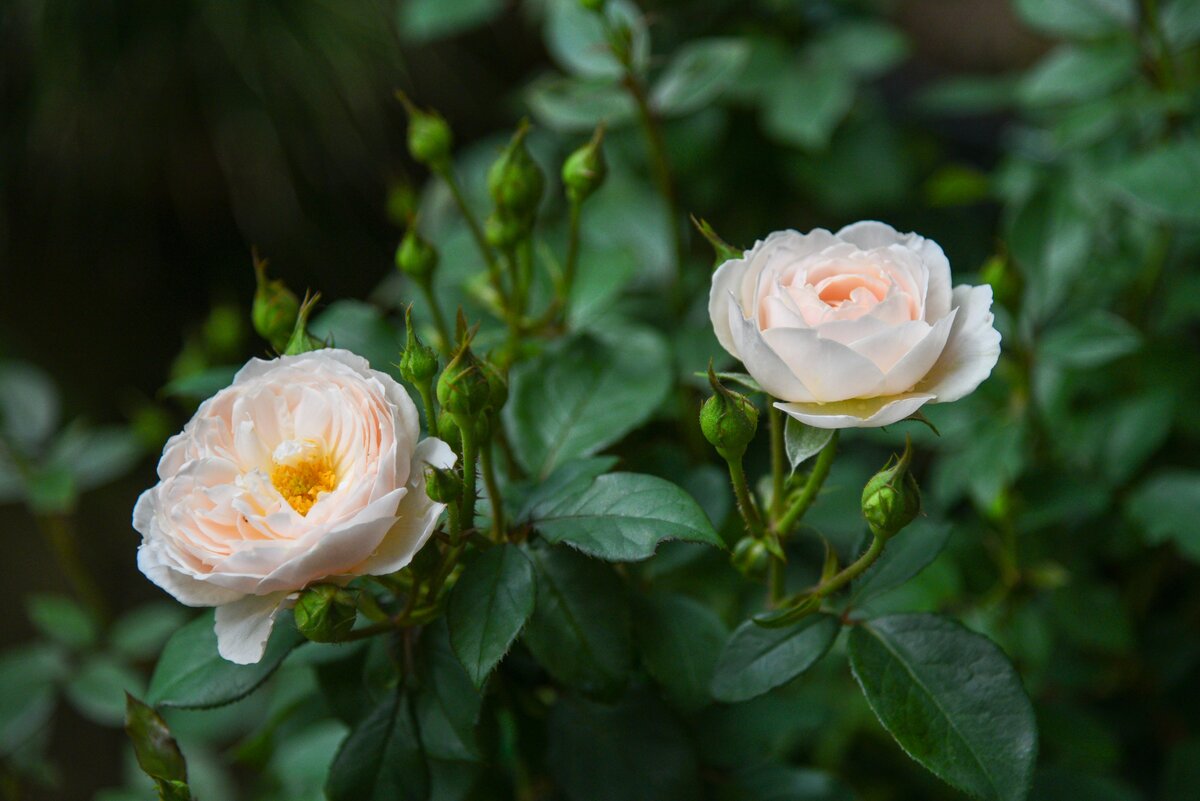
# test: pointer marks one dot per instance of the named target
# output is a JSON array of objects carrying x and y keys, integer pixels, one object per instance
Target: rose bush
[
  {"x": 306, "y": 468},
  {"x": 853, "y": 329}
]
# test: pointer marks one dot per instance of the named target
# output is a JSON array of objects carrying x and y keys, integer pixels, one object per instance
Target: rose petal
[
  {"x": 243, "y": 627},
  {"x": 863, "y": 413},
  {"x": 725, "y": 284},
  {"x": 762, "y": 362},
  {"x": 914, "y": 365},
  {"x": 828, "y": 369},
  {"x": 972, "y": 348}
]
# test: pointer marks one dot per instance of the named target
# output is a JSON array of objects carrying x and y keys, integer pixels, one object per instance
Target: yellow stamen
[{"x": 301, "y": 481}]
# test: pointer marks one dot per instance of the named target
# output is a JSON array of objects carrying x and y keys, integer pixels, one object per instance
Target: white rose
[
  {"x": 306, "y": 468},
  {"x": 855, "y": 329}
]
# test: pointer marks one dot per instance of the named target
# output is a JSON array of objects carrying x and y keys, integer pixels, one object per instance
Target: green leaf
[
  {"x": 572, "y": 105},
  {"x": 1167, "y": 506},
  {"x": 1078, "y": 18},
  {"x": 758, "y": 659},
  {"x": 567, "y": 479},
  {"x": 951, "y": 699},
  {"x": 95, "y": 456},
  {"x": 448, "y": 704},
  {"x": 381, "y": 759},
  {"x": 632, "y": 751},
  {"x": 1163, "y": 181},
  {"x": 1090, "y": 341},
  {"x": 785, "y": 783},
  {"x": 679, "y": 640},
  {"x": 622, "y": 517},
  {"x": 1050, "y": 237},
  {"x": 141, "y": 632},
  {"x": 1077, "y": 73},
  {"x": 98, "y": 690},
  {"x": 488, "y": 607},
  {"x": 865, "y": 48},
  {"x": 808, "y": 103},
  {"x": 29, "y": 404},
  {"x": 424, "y": 20},
  {"x": 744, "y": 380},
  {"x": 360, "y": 328},
  {"x": 62, "y": 620},
  {"x": 203, "y": 385},
  {"x": 576, "y": 38},
  {"x": 802, "y": 442},
  {"x": 906, "y": 555},
  {"x": 698, "y": 74},
  {"x": 158, "y": 754},
  {"x": 580, "y": 628},
  {"x": 28, "y": 675},
  {"x": 190, "y": 674},
  {"x": 581, "y": 397}
]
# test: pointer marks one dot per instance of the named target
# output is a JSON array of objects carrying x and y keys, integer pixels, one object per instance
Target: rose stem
[
  {"x": 568, "y": 280},
  {"x": 493, "y": 490},
  {"x": 466, "y": 426},
  {"x": 446, "y": 173},
  {"x": 776, "y": 418},
  {"x": 819, "y": 473},
  {"x": 745, "y": 502}
]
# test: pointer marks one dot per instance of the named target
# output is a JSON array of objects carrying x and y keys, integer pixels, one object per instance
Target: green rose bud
[
  {"x": 891, "y": 500},
  {"x": 415, "y": 257},
  {"x": 429, "y": 137},
  {"x": 401, "y": 203},
  {"x": 728, "y": 420},
  {"x": 497, "y": 387},
  {"x": 504, "y": 231},
  {"x": 442, "y": 486},
  {"x": 584, "y": 170},
  {"x": 448, "y": 431},
  {"x": 418, "y": 361},
  {"x": 463, "y": 388},
  {"x": 515, "y": 181},
  {"x": 301, "y": 341},
  {"x": 751, "y": 558},
  {"x": 326, "y": 612},
  {"x": 275, "y": 307}
]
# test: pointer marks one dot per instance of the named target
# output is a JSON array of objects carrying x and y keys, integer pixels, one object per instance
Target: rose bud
[
  {"x": 463, "y": 388},
  {"x": 326, "y": 612},
  {"x": 751, "y": 557},
  {"x": 301, "y": 341},
  {"x": 418, "y": 361},
  {"x": 503, "y": 231},
  {"x": 275, "y": 308},
  {"x": 891, "y": 499},
  {"x": 443, "y": 486},
  {"x": 448, "y": 431},
  {"x": 429, "y": 137},
  {"x": 854, "y": 329},
  {"x": 728, "y": 420},
  {"x": 415, "y": 257},
  {"x": 515, "y": 181},
  {"x": 584, "y": 170}
]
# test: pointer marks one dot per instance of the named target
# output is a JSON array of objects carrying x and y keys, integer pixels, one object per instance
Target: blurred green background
[{"x": 1050, "y": 146}]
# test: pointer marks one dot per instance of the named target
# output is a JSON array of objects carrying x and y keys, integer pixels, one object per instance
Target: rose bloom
[
  {"x": 307, "y": 468},
  {"x": 856, "y": 329}
]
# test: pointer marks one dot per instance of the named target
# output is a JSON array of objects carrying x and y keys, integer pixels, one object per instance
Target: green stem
[
  {"x": 817, "y": 478},
  {"x": 853, "y": 571},
  {"x": 446, "y": 173},
  {"x": 745, "y": 501},
  {"x": 493, "y": 490},
  {"x": 439, "y": 320},
  {"x": 777, "y": 458},
  {"x": 425, "y": 390},
  {"x": 571, "y": 265},
  {"x": 466, "y": 426}
]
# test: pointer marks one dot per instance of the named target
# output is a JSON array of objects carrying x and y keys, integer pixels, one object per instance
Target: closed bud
[
  {"x": 891, "y": 500},
  {"x": 728, "y": 420},
  {"x": 448, "y": 431},
  {"x": 497, "y": 387},
  {"x": 429, "y": 137},
  {"x": 442, "y": 486},
  {"x": 275, "y": 307},
  {"x": 418, "y": 362},
  {"x": 504, "y": 231},
  {"x": 584, "y": 170},
  {"x": 463, "y": 388},
  {"x": 515, "y": 181},
  {"x": 751, "y": 558},
  {"x": 415, "y": 257},
  {"x": 326, "y": 612}
]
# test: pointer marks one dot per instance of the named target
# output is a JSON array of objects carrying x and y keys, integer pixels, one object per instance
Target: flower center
[{"x": 301, "y": 471}]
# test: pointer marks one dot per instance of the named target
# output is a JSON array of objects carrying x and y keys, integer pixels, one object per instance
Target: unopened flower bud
[
  {"x": 515, "y": 181},
  {"x": 891, "y": 500},
  {"x": 751, "y": 558},
  {"x": 401, "y": 203},
  {"x": 442, "y": 486},
  {"x": 728, "y": 420},
  {"x": 448, "y": 431},
  {"x": 429, "y": 137},
  {"x": 497, "y": 386},
  {"x": 463, "y": 388},
  {"x": 418, "y": 361},
  {"x": 504, "y": 231},
  {"x": 301, "y": 341},
  {"x": 415, "y": 257},
  {"x": 584, "y": 170},
  {"x": 275, "y": 307},
  {"x": 326, "y": 612}
]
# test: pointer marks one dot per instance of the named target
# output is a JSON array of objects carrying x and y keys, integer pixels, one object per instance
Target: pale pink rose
[
  {"x": 856, "y": 329},
  {"x": 306, "y": 468}
]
